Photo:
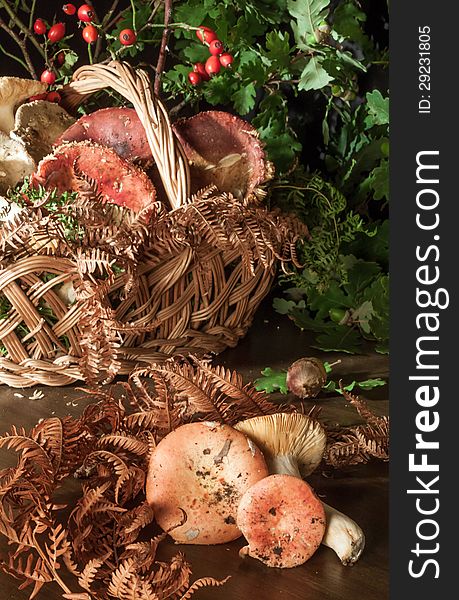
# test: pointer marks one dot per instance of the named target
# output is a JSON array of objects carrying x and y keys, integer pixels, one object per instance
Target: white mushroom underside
[
  {"x": 38, "y": 125},
  {"x": 15, "y": 162}
]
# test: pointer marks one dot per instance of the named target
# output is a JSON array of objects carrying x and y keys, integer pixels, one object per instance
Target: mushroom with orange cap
[
  {"x": 282, "y": 520},
  {"x": 202, "y": 469},
  {"x": 293, "y": 444}
]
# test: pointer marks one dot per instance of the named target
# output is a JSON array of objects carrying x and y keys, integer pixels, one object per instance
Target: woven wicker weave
[{"x": 201, "y": 295}]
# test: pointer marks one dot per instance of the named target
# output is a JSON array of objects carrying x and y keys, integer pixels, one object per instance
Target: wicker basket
[{"x": 198, "y": 297}]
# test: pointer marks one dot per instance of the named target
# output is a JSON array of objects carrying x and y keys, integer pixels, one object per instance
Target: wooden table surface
[{"x": 359, "y": 491}]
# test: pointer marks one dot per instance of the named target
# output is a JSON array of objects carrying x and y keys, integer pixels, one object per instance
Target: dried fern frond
[
  {"x": 201, "y": 583},
  {"x": 254, "y": 233},
  {"x": 109, "y": 447},
  {"x": 201, "y": 391},
  {"x": 359, "y": 443}
]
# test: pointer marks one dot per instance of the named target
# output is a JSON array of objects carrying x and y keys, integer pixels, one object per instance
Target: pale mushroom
[
  {"x": 13, "y": 92},
  {"x": 282, "y": 520},
  {"x": 293, "y": 444},
  {"x": 15, "y": 162},
  {"x": 38, "y": 125},
  {"x": 202, "y": 470}
]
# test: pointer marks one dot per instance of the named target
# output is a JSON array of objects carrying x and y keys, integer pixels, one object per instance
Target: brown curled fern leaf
[
  {"x": 359, "y": 443},
  {"x": 201, "y": 583},
  {"x": 200, "y": 391}
]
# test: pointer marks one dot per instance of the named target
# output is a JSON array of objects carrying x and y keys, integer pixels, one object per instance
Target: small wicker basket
[{"x": 198, "y": 293}]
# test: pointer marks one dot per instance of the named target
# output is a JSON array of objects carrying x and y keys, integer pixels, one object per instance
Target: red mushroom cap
[
  {"x": 203, "y": 469},
  {"x": 118, "y": 181},
  {"x": 282, "y": 520},
  {"x": 117, "y": 128},
  {"x": 224, "y": 150}
]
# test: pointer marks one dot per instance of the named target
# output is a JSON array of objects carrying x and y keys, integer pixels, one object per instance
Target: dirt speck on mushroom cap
[
  {"x": 282, "y": 520},
  {"x": 203, "y": 469}
]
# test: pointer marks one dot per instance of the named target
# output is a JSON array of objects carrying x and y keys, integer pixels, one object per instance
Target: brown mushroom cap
[
  {"x": 203, "y": 469},
  {"x": 225, "y": 151},
  {"x": 13, "y": 91},
  {"x": 282, "y": 520},
  {"x": 293, "y": 439}
]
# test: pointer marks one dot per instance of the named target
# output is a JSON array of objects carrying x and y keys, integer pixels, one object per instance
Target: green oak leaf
[
  {"x": 379, "y": 181},
  {"x": 339, "y": 339},
  {"x": 308, "y": 15},
  {"x": 369, "y": 384},
  {"x": 378, "y": 109},
  {"x": 244, "y": 98},
  {"x": 272, "y": 381},
  {"x": 314, "y": 76}
]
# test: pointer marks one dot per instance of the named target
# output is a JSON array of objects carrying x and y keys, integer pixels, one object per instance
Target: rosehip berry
[
  {"x": 201, "y": 70},
  {"x": 213, "y": 65},
  {"x": 69, "y": 9},
  {"x": 86, "y": 13},
  {"x": 128, "y": 37},
  {"x": 38, "y": 97},
  {"x": 39, "y": 27},
  {"x": 48, "y": 77},
  {"x": 216, "y": 47},
  {"x": 194, "y": 78},
  {"x": 206, "y": 35},
  {"x": 56, "y": 33},
  {"x": 90, "y": 34},
  {"x": 226, "y": 59},
  {"x": 53, "y": 97},
  {"x": 59, "y": 59}
]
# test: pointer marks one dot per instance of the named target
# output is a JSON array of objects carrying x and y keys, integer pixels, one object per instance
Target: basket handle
[{"x": 135, "y": 86}]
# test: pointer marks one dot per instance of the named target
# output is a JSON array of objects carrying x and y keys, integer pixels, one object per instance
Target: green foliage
[
  {"x": 287, "y": 52},
  {"x": 54, "y": 202},
  {"x": 272, "y": 381},
  {"x": 338, "y": 296},
  {"x": 276, "y": 381}
]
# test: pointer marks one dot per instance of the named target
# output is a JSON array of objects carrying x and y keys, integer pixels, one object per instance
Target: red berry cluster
[
  {"x": 218, "y": 57},
  {"x": 90, "y": 33}
]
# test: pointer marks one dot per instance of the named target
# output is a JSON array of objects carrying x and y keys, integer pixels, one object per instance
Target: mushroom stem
[
  {"x": 342, "y": 534},
  {"x": 284, "y": 464}
]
